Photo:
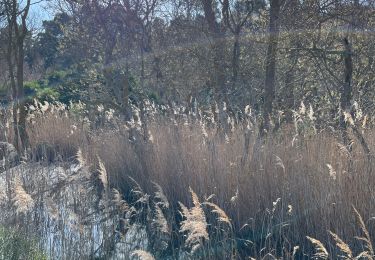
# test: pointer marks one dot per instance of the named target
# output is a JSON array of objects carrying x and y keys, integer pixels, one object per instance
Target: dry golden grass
[
  {"x": 313, "y": 176},
  {"x": 22, "y": 200}
]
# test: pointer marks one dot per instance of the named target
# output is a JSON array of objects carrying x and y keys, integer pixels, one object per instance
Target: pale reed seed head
[
  {"x": 22, "y": 200},
  {"x": 222, "y": 216},
  {"x": 310, "y": 114},
  {"x": 364, "y": 121},
  {"x": 366, "y": 239},
  {"x": 295, "y": 249},
  {"x": 344, "y": 248},
  {"x": 320, "y": 251},
  {"x": 142, "y": 255},
  {"x": 234, "y": 198},
  {"x": 103, "y": 177},
  {"x": 195, "y": 198},
  {"x": 290, "y": 210},
  {"x": 160, "y": 221},
  {"x": 331, "y": 171},
  {"x": 80, "y": 158},
  {"x": 274, "y": 204},
  {"x": 302, "y": 108},
  {"x": 194, "y": 223},
  {"x": 159, "y": 194},
  {"x": 348, "y": 118},
  {"x": 280, "y": 163},
  {"x": 120, "y": 203}
]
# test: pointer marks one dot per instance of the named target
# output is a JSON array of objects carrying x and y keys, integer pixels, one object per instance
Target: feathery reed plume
[
  {"x": 80, "y": 158},
  {"x": 366, "y": 239},
  {"x": 290, "y": 210},
  {"x": 234, "y": 198},
  {"x": 138, "y": 191},
  {"x": 160, "y": 222},
  {"x": 364, "y": 121},
  {"x": 280, "y": 163},
  {"x": 321, "y": 251},
  {"x": 103, "y": 177},
  {"x": 344, "y": 247},
  {"x": 331, "y": 171},
  {"x": 348, "y": 118},
  {"x": 302, "y": 108},
  {"x": 222, "y": 216},
  {"x": 159, "y": 194},
  {"x": 295, "y": 249},
  {"x": 310, "y": 114},
  {"x": 142, "y": 255},
  {"x": 119, "y": 201},
  {"x": 195, "y": 224},
  {"x": 274, "y": 204},
  {"x": 22, "y": 200}
]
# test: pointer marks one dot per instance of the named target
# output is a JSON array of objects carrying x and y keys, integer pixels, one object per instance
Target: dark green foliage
[
  {"x": 40, "y": 90},
  {"x": 48, "y": 41}
]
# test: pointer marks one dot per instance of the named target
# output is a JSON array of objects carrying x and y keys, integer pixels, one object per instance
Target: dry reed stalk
[
  {"x": 344, "y": 248},
  {"x": 222, "y": 216},
  {"x": 366, "y": 239},
  {"x": 320, "y": 251},
  {"x": 80, "y": 158}
]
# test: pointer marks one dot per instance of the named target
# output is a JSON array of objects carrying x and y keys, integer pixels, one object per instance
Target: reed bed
[{"x": 202, "y": 192}]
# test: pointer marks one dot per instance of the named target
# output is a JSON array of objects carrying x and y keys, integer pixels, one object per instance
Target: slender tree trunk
[
  {"x": 346, "y": 93},
  {"x": 236, "y": 57},
  {"x": 126, "y": 104},
  {"x": 218, "y": 59},
  {"x": 269, "y": 87},
  {"x": 10, "y": 58},
  {"x": 15, "y": 58},
  {"x": 346, "y": 90},
  {"x": 21, "y": 94}
]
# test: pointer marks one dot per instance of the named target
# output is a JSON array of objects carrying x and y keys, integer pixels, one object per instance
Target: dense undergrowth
[{"x": 196, "y": 190}]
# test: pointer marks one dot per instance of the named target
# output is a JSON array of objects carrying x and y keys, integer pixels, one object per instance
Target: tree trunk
[
  {"x": 346, "y": 93},
  {"x": 218, "y": 59},
  {"x": 346, "y": 90},
  {"x": 15, "y": 58},
  {"x": 236, "y": 57},
  {"x": 126, "y": 104},
  {"x": 269, "y": 87},
  {"x": 21, "y": 95}
]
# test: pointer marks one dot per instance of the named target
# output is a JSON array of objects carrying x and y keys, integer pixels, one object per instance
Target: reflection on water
[{"x": 72, "y": 215}]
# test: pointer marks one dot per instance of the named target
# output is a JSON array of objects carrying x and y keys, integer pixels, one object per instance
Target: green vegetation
[{"x": 15, "y": 246}]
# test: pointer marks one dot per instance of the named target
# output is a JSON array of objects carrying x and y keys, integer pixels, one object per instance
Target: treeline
[{"x": 271, "y": 55}]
